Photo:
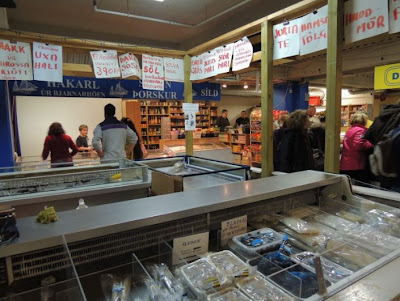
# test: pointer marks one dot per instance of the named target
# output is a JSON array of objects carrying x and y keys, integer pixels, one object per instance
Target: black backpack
[{"x": 383, "y": 160}]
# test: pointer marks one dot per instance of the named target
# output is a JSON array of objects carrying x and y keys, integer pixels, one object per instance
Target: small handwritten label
[
  {"x": 188, "y": 247},
  {"x": 233, "y": 227}
]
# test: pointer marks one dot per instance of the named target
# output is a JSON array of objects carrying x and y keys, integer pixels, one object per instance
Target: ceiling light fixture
[
  {"x": 159, "y": 0},
  {"x": 224, "y": 85},
  {"x": 246, "y": 86}
]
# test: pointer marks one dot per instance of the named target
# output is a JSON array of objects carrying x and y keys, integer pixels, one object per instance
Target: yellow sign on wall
[{"x": 387, "y": 77}]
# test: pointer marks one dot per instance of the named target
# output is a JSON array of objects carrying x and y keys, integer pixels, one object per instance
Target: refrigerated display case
[
  {"x": 101, "y": 182},
  {"x": 329, "y": 220},
  {"x": 188, "y": 172}
]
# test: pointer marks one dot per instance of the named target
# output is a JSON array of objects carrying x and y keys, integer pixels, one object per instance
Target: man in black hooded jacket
[{"x": 387, "y": 120}]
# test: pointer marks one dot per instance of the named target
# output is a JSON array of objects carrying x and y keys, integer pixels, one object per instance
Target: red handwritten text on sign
[
  {"x": 174, "y": 69},
  {"x": 365, "y": 18},
  {"x": 105, "y": 63},
  {"x": 210, "y": 66},
  {"x": 152, "y": 72},
  {"x": 15, "y": 61},
  {"x": 286, "y": 39},
  {"x": 224, "y": 58},
  {"x": 47, "y": 62},
  {"x": 129, "y": 65},
  {"x": 394, "y": 16},
  {"x": 242, "y": 54},
  {"x": 197, "y": 65},
  {"x": 313, "y": 31}
]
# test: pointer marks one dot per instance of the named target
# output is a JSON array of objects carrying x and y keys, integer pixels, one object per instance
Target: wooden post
[
  {"x": 267, "y": 98},
  {"x": 334, "y": 84},
  {"x": 188, "y": 99}
]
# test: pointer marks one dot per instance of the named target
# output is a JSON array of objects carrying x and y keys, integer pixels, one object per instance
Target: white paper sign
[
  {"x": 233, "y": 227},
  {"x": 224, "y": 58},
  {"x": 105, "y": 64},
  {"x": 47, "y": 62},
  {"x": 129, "y": 65},
  {"x": 190, "y": 121},
  {"x": 364, "y": 19},
  {"x": 174, "y": 70},
  {"x": 15, "y": 61},
  {"x": 189, "y": 246},
  {"x": 197, "y": 71},
  {"x": 242, "y": 54},
  {"x": 210, "y": 61},
  {"x": 152, "y": 72},
  {"x": 314, "y": 31},
  {"x": 286, "y": 39},
  {"x": 190, "y": 107},
  {"x": 394, "y": 16}
]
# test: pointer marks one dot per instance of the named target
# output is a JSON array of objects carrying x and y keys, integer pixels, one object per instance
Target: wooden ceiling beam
[
  {"x": 88, "y": 44},
  {"x": 355, "y": 81}
]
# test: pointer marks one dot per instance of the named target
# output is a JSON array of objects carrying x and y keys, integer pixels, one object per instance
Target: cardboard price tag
[
  {"x": 189, "y": 246},
  {"x": 233, "y": 227}
]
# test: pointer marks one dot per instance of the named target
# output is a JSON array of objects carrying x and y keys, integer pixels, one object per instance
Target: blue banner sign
[{"x": 111, "y": 88}]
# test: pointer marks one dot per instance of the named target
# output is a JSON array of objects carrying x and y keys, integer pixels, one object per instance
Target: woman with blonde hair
[
  {"x": 295, "y": 151},
  {"x": 355, "y": 148}
]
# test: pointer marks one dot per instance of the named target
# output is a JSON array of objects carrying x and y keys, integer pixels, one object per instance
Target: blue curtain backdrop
[
  {"x": 6, "y": 149},
  {"x": 290, "y": 96}
]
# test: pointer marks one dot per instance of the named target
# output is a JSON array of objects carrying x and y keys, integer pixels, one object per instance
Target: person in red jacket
[
  {"x": 58, "y": 145},
  {"x": 355, "y": 148}
]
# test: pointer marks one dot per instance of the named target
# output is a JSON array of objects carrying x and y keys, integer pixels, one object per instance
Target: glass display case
[
  {"x": 64, "y": 285},
  {"x": 77, "y": 177},
  {"x": 188, "y": 172},
  {"x": 318, "y": 241},
  {"x": 58, "y": 186}
]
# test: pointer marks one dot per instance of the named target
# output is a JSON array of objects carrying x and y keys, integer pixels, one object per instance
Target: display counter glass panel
[
  {"x": 45, "y": 181},
  {"x": 194, "y": 172},
  {"x": 61, "y": 285}
]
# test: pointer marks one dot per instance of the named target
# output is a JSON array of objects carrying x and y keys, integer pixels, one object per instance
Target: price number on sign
[
  {"x": 106, "y": 71},
  {"x": 151, "y": 70}
]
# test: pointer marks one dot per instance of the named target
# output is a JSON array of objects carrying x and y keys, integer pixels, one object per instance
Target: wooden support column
[
  {"x": 267, "y": 98},
  {"x": 188, "y": 99},
  {"x": 334, "y": 84}
]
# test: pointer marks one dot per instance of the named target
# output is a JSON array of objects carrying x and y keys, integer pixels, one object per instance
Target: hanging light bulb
[
  {"x": 224, "y": 85},
  {"x": 246, "y": 86}
]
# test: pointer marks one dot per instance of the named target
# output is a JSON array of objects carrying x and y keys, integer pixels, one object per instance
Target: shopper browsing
[
  {"x": 58, "y": 145},
  {"x": 111, "y": 136},
  {"x": 355, "y": 147},
  {"x": 314, "y": 120},
  {"x": 223, "y": 121},
  {"x": 295, "y": 153},
  {"x": 242, "y": 120},
  {"x": 82, "y": 140},
  {"x": 137, "y": 153}
]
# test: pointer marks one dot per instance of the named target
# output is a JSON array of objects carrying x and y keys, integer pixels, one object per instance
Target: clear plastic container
[
  {"x": 332, "y": 271},
  {"x": 231, "y": 265},
  {"x": 258, "y": 241},
  {"x": 230, "y": 294},
  {"x": 259, "y": 289},
  {"x": 204, "y": 278}
]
